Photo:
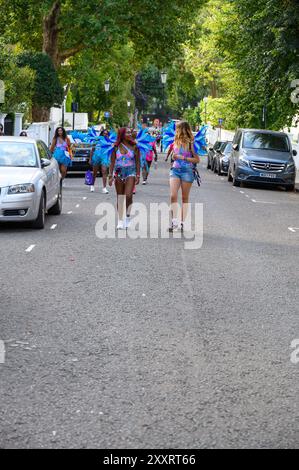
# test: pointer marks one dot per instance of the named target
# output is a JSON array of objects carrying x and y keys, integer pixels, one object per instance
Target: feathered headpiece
[
  {"x": 143, "y": 141},
  {"x": 168, "y": 135},
  {"x": 200, "y": 141}
]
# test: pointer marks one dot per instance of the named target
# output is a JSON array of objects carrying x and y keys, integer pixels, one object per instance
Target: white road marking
[
  {"x": 30, "y": 248},
  {"x": 293, "y": 229},
  {"x": 77, "y": 206},
  {"x": 264, "y": 202},
  {"x": 53, "y": 227},
  {"x": 70, "y": 212},
  {"x": 2, "y": 352},
  {"x": 242, "y": 192}
]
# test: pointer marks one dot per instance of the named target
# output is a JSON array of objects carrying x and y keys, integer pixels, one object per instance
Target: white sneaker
[
  {"x": 144, "y": 182},
  {"x": 105, "y": 191},
  {"x": 92, "y": 189},
  {"x": 120, "y": 225},
  {"x": 127, "y": 222}
]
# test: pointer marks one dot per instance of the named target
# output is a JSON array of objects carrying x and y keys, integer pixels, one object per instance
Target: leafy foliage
[
  {"x": 18, "y": 81},
  {"x": 47, "y": 88}
]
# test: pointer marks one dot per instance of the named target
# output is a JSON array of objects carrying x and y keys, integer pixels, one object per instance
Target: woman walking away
[
  {"x": 125, "y": 171},
  {"x": 97, "y": 160},
  {"x": 149, "y": 161},
  {"x": 61, "y": 149},
  {"x": 182, "y": 172}
]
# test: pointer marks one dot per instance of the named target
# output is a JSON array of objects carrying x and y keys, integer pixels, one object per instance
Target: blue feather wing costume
[
  {"x": 168, "y": 136},
  {"x": 200, "y": 141}
]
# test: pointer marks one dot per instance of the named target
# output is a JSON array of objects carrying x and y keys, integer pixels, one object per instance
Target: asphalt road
[{"x": 144, "y": 344}]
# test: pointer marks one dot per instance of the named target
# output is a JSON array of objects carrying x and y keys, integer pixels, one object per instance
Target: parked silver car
[{"x": 30, "y": 181}]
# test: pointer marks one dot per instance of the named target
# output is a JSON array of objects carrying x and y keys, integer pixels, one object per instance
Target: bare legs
[
  {"x": 175, "y": 185},
  {"x": 124, "y": 190},
  {"x": 146, "y": 170},
  {"x": 104, "y": 174},
  {"x": 63, "y": 171}
]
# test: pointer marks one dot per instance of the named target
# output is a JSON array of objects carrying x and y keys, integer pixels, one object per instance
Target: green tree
[
  {"x": 47, "y": 88},
  {"x": 18, "y": 81}
]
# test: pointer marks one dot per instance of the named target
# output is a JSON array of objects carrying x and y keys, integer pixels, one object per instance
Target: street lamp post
[
  {"x": 107, "y": 85},
  {"x": 205, "y": 100},
  {"x": 107, "y": 89},
  {"x": 164, "y": 80},
  {"x": 129, "y": 114}
]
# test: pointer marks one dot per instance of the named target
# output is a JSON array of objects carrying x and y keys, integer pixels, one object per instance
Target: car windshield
[
  {"x": 223, "y": 147},
  {"x": 17, "y": 154},
  {"x": 218, "y": 145},
  {"x": 228, "y": 148},
  {"x": 264, "y": 141}
]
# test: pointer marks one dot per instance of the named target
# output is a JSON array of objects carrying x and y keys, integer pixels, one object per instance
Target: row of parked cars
[{"x": 255, "y": 156}]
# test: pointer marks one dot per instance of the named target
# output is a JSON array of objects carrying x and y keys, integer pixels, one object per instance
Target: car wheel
[
  {"x": 236, "y": 182},
  {"x": 57, "y": 208},
  {"x": 39, "y": 223},
  {"x": 290, "y": 187}
]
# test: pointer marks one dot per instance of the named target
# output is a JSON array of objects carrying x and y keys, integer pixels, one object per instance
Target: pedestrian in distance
[
  {"x": 182, "y": 173},
  {"x": 125, "y": 172},
  {"x": 61, "y": 149},
  {"x": 150, "y": 157},
  {"x": 98, "y": 160}
]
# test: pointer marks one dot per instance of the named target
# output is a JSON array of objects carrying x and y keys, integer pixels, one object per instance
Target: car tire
[
  {"x": 39, "y": 222},
  {"x": 290, "y": 187},
  {"x": 236, "y": 182},
  {"x": 57, "y": 208}
]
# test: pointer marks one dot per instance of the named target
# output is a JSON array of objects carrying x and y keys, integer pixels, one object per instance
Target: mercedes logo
[{"x": 268, "y": 166}]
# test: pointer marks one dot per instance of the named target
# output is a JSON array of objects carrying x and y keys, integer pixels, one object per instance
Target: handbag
[
  {"x": 197, "y": 176},
  {"x": 195, "y": 170},
  {"x": 89, "y": 179}
]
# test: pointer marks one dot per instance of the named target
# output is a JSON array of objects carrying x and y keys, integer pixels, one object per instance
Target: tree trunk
[
  {"x": 214, "y": 89},
  {"x": 40, "y": 114},
  {"x": 50, "y": 33}
]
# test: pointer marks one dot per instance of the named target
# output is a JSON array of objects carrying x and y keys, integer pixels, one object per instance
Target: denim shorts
[
  {"x": 183, "y": 174},
  {"x": 125, "y": 172}
]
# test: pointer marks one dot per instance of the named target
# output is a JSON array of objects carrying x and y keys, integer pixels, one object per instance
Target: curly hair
[
  {"x": 64, "y": 134},
  {"x": 183, "y": 135}
]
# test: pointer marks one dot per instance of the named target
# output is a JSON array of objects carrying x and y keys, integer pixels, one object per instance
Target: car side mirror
[
  {"x": 295, "y": 153},
  {"x": 45, "y": 162},
  {"x": 236, "y": 147}
]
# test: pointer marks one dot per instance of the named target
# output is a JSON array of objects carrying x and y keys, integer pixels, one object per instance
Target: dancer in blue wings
[
  {"x": 101, "y": 158},
  {"x": 61, "y": 149},
  {"x": 125, "y": 172},
  {"x": 147, "y": 146},
  {"x": 184, "y": 150}
]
